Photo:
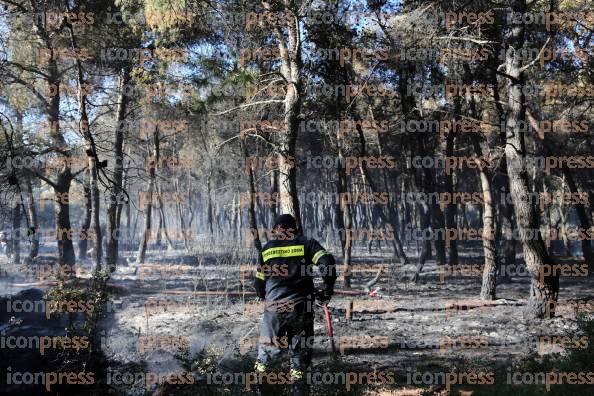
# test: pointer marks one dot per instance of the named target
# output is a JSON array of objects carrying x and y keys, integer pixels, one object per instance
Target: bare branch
[
  {"x": 243, "y": 106},
  {"x": 529, "y": 65}
]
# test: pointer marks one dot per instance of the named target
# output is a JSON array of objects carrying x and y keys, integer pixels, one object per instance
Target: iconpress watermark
[
  {"x": 48, "y": 379},
  {"x": 348, "y": 379},
  {"x": 427, "y": 378},
  {"x": 549, "y": 378}
]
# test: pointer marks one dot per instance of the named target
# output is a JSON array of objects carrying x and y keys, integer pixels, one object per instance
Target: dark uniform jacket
[{"x": 286, "y": 268}]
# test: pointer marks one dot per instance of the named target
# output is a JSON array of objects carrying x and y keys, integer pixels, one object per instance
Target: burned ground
[{"x": 194, "y": 314}]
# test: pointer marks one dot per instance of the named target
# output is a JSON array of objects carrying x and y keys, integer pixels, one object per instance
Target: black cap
[{"x": 286, "y": 221}]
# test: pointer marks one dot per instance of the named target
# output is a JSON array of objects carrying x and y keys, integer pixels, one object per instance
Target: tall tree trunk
[
  {"x": 64, "y": 175},
  {"x": 339, "y": 214},
  {"x": 16, "y": 231},
  {"x": 209, "y": 208},
  {"x": 251, "y": 206},
  {"x": 425, "y": 224},
  {"x": 29, "y": 206},
  {"x": 344, "y": 215},
  {"x": 437, "y": 223},
  {"x": 63, "y": 227},
  {"x": 505, "y": 213},
  {"x": 287, "y": 170},
  {"x": 488, "y": 289},
  {"x": 291, "y": 65},
  {"x": 450, "y": 209},
  {"x": 544, "y": 290},
  {"x": 126, "y": 183},
  {"x": 148, "y": 207},
  {"x": 393, "y": 214},
  {"x": 83, "y": 243},
  {"x": 507, "y": 226},
  {"x": 427, "y": 183},
  {"x": 180, "y": 213},
  {"x": 115, "y": 205},
  {"x": 489, "y": 285},
  {"x": 33, "y": 220},
  {"x": 273, "y": 193},
  {"x": 163, "y": 220},
  {"x": 582, "y": 217},
  {"x": 93, "y": 159},
  {"x": 159, "y": 231}
]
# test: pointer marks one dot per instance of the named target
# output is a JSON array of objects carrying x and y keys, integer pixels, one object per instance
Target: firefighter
[{"x": 284, "y": 280}]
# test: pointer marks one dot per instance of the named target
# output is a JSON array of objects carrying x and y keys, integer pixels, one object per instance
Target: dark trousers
[{"x": 290, "y": 329}]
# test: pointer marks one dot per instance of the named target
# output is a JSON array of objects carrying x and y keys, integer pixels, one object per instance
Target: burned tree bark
[
  {"x": 291, "y": 65},
  {"x": 93, "y": 159},
  {"x": 448, "y": 182},
  {"x": 582, "y": 217},
  {"x": 392, "y": 220},
  {"x": 83, "y": 243},
  {"x": 543, "y": 289},
  {"x": 489, "y": 285},
  {"x": 16, "y": 231},
  {"x": 29, "y": 206},
  {"x": 115, "y": 204},
  {"x": 148, "y": 208},
  {"x": 64, "y": 176},
  {"x": 33, "y": 221},
  {"x": 251, "y": 206},
  {"x": 488, "y": 289},
  {"x": 63, "y": 227},
  {"x": 506, "y": 220},
  {"x": 344, "y": 216}
]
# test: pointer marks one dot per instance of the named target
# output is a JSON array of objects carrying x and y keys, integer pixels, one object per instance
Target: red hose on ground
[{"x": 329, "y": 324}]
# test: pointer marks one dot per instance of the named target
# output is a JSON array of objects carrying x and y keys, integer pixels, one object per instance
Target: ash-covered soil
[
  {"x": 404, "y": 325},
  {"x": 196, "y": 313}
]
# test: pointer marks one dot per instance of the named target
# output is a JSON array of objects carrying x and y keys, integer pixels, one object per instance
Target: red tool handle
[{"x": 329, "y": 324}]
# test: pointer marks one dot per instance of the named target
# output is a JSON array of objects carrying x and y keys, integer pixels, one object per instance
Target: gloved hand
[{"x": 324, "y": 296}]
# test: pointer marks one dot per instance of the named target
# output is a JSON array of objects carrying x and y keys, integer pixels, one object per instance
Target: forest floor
[{"x": 183, "y": 312}]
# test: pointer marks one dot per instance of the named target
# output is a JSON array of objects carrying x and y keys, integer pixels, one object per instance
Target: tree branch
[{"x": 243, "y": 106}]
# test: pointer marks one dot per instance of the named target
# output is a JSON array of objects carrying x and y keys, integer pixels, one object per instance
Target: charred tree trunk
[
  {"x": 339, "y": 215},
  {"x": 163, "y": 219},
  {"x": 251, "y": 206},
  {"x": 489, "y": 285},
  {"x": 34, "y": 222},
  {"x": 83, "y": 243},
  {"x": 488, "y": 289},
  {"x": 393, "y": 214},
  {"x": 273, "y": 193},
  {"x": 344, "y": 215},
  {"x": 64, "y": 175},
  {"x": 209, "y": 208},
  {"x": 28, "y": 203},
  {"x": 63, "y": 227},
  {"x": 16, "y": 232},
  {"x": 117, "y": 197},
  {"x": 507, "y": 227},
  {"x": 159, "y": 231},
  {"x": 93, "y": 159},
  {"x": 180, "y": 214},
  {"x": 148, "y": 208},
  {"x": 287, "y": 170},
  {"x": 438, "y": 224},
  {"x": 425, "y": 223},
  {"x": 582, "y": 217},
  {"x": 451, "y": 208},
  {"x": 291, "y": 65},
  {"x": 408, "y": 106},
  {"x": 543, "y": 289}
]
